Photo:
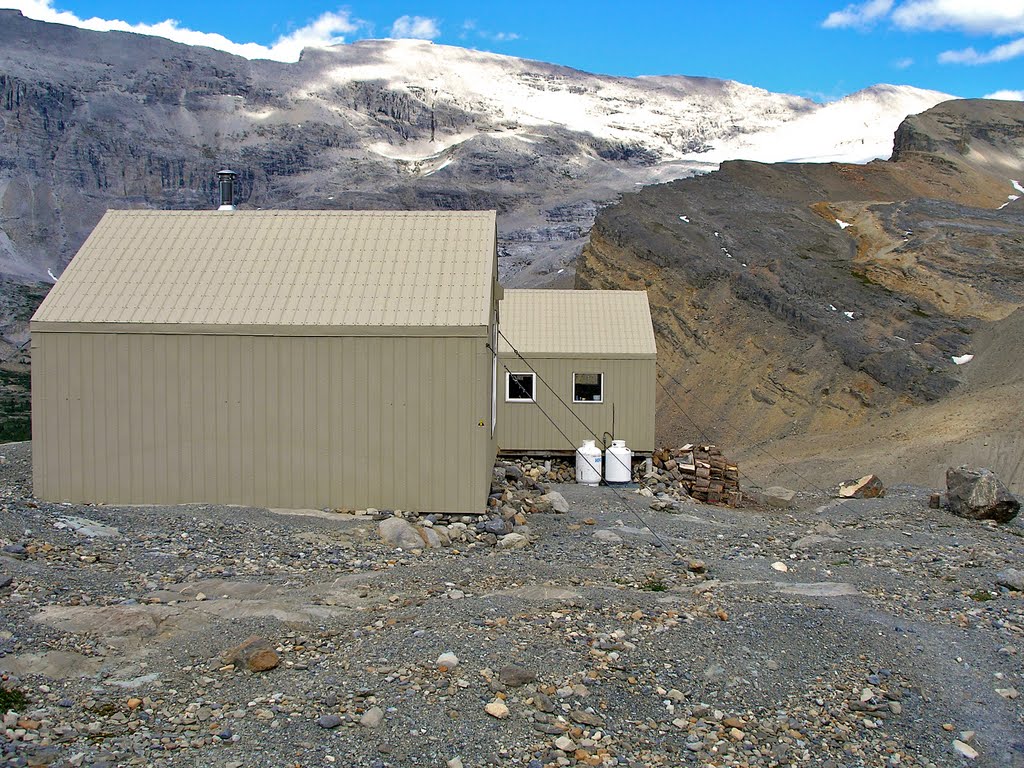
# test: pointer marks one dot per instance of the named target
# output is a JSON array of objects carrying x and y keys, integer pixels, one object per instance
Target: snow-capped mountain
[{"x": 96, "y": 120}]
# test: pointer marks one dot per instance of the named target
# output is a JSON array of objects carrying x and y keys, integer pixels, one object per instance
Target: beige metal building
[
  {"x": 586, "y": 359},
  {"x": 272, "y": 358}
]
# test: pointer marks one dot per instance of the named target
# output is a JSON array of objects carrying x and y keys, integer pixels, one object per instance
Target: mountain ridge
[
  {"x": 826, "y": 300},
  {"x": 96, "y": 120}
]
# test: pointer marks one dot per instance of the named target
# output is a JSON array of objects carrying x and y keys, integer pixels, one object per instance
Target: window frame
[
  {"x": 508, "y": 381},
  {"x": 600, "y": 375}
]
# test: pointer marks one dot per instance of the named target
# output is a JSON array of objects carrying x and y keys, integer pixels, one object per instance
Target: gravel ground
[{"x": 861, "y": 633}]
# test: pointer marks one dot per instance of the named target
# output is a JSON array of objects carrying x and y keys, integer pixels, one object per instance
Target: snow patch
[
  {"x": 685, "y": 218},
  {"x": 1016, "y": 185},
  {"x": 1011, "y": 198},
  {"x": 52, "y": 276},
  {"x": 832, "y": 308},
  {"x": 849, "y": 314},
  {"x": 842, "y": 224},
  {"x": 445, "y": 164},
  {"x": 963, "y": 359}
]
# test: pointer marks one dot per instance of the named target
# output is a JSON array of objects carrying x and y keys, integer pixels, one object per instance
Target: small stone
[
  {"x": 965, "y": 750},
  {"x": 514, "y": 676},
  {"x": 736, "y": 734},
  {"x": 255, "y": 652},
  {"x": 697, "y": 566},
  {"x": 948, "y": 727},
  {"x": 330, "y": 720},
  {"x": 780, "y": 566},
  {"x": 608, "y": 537},
  {"x": 543, "y": 703},
  {"x": 372, "y": 717},
  {"x": 557, "y": 501},
  {"x": 200, "y": 596},
  {"x": 779, "y": 497},
  {"x": 497, "y": 708},
  {"x": 512, "y": 541},
  {"x": 455, "y": 762},
  {"x": 895, "y": 707},
  {"x": 586, "y": 718},
  {"x": 447, "y": 661},
  {"x": 134, "y": 703},
  {"x": 1008, "y": 693},
  {"x": 565, "y": 744}
]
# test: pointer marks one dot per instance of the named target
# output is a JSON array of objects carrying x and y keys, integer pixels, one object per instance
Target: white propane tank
[
  {"x": 588, "y": 463},
  {"x": 618, "y": 465}
]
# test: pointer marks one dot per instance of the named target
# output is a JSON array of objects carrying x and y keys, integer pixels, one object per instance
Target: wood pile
[{"x": 701, "y": 470}]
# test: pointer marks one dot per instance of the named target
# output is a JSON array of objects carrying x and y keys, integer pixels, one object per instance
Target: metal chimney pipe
[{"x": 226, "y": 183}]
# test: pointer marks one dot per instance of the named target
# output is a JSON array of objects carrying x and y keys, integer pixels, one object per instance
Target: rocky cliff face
[
  {"x": 797, "y": 299},
  {"x": 90, "y": 121}
]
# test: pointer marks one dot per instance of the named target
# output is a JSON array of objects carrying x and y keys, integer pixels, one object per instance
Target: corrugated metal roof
[
  {"x": 280, "y": 268},
  {"x": 548, "y": 323}
]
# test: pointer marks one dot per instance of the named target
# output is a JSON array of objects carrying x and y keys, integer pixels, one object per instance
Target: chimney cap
[{"x": 226, "y": 183}]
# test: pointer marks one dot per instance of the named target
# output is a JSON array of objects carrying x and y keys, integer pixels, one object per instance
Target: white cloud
[
  {"x": 990, "y": 17},
  {"x": 1007, "y": 95},
  {"x": 417, "y": 27},
  {"x": 987, "y": 17},
  {"x": 1003, "y": 52},
  {"x": 858, "y": 14},
  {"x": 903, "y": 63},
  {"x": 469, "y": 26},
  {"x": 327, "y": 29}
]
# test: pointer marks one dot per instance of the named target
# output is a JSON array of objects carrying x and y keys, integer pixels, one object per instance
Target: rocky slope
[
  {"x": 96, "y": 120},
  {"x": 803, "y": 301},
  {"x": 872, "y": 632}
]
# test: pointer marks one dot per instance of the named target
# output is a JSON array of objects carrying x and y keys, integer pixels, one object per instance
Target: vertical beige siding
[
  {"x": 627, "y": 411},
  {"x": 350, "y": 422}
]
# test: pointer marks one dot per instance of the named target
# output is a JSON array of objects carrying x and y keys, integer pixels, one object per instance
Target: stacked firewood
[{"x": 700, "y": 470}]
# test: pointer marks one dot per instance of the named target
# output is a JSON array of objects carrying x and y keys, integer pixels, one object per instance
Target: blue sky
[{"x": 815, "y": 48}]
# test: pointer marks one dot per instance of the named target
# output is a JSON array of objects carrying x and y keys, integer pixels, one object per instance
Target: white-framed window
[
  {"x": 588, "y": 387},
  {"x": 520, "y": 387}
]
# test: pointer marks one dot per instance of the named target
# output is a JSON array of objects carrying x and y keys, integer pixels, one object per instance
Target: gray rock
[
  {"x": 607, "y": 536},
  {"x": 372, "y": 717},
  {"x": 543, "y": 702},
  {"x": 586, "y": 718},
  {"x": 495, "y": 525},
  {"x": 779, "y": 497},
  {"x": 331, "y": 720},
  {"x": 557, "y": 501},
  {"x": 513, "y": 541},
  {"x": 514, "y": 676},
  {"x": 430, "y": 537},
  {"x": 1011, "y": 578},
  {"x": 977, "y": 494},
  {"x": 397, "y": 532},
  {"x": 17, "y": 551}
]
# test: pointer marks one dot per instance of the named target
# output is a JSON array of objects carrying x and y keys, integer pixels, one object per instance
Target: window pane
[
  {"x": 586, "y": 387},
  {"x": 520, "y": 386}
]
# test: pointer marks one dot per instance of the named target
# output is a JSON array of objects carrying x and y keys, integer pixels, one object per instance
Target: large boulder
[
  {"x": 397, "y": 532},
  {"x": 779, "y": 497},
  {"x": 979, "y": 495},
  {"x": 867, "y": 487}
]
